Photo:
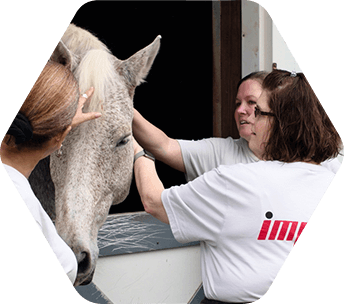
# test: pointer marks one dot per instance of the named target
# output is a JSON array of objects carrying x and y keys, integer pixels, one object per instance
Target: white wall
[
  {"x": 281, "y": 54},
  {"x": 163, "y": 276},
  {"x": 262, "y": 44}
]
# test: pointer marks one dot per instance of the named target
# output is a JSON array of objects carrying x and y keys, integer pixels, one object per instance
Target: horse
[{"x": 93, "y": 169}]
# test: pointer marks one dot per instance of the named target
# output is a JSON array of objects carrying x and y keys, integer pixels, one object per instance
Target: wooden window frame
[{"x": 227, "y": 65}]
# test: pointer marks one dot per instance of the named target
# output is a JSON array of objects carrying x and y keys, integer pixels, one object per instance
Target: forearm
[
  {"x": 157, "y": 142},
  {"x": 150, "y": 188},
  {"x": 149, "y": 136}
]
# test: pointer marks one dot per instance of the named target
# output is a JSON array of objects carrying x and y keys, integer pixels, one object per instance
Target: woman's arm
[
  {"x": 157, "y": 142},
  {"x": 149, "y": 186}
]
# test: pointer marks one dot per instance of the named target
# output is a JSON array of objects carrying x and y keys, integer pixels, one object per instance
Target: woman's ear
[{"x": 61, "y": 137}]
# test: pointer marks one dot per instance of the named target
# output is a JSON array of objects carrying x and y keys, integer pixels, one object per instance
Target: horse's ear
[
  {"x": 137, "y": 67},
  {"x": 64, "y": 56}
]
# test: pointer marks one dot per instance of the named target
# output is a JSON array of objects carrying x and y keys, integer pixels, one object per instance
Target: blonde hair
[{"x": 50, "y": 105}]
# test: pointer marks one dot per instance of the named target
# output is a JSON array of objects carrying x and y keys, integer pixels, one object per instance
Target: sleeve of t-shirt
[
  {"x": 197, "y": 210},
  {"x": 204, "y": 155}
]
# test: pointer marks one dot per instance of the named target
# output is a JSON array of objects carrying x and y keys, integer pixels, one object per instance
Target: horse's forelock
[{"x": 96, "y": 69}]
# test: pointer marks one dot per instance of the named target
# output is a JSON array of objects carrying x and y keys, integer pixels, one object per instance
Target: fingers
[
  {"x": 90, "y": 116},
  {"x": 81, "y": 117},
  {"x": 85, "y": 96},
  {"x": 136, "y": 146},
  {"x": 82, "y": 100},
  {"x": 88, "y": 93}
]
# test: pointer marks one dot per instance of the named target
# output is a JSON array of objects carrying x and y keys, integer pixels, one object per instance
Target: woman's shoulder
[
  {"x": 18, "y": 179},
  {"x": 22, "y": 185}
]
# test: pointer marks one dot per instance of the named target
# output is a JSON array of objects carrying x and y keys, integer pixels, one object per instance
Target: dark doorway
[{"x": 177, "y": 96}]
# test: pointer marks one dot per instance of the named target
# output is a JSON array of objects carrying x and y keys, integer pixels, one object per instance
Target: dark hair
[
  {"x": 300, "y": 128},
  {"x": 48, "y": 109},
  {"x": 258, "y": 76}
]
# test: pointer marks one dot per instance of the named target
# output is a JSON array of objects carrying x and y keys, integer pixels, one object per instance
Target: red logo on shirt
[{"x": 279, "y": 229}]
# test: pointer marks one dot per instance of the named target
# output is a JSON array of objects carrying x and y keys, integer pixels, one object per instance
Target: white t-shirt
[
  {"x": 247, "y": 217},
  {"x": 204, "y": 155},
  {"x": 63, "y": 252}
]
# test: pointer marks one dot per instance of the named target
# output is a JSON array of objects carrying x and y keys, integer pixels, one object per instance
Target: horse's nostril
[{"x": 84, "y": 262}]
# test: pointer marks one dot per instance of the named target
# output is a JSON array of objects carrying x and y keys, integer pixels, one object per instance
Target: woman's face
[
  {"x": 260, "y": 127},
  {"x": 246, "y": 99}
]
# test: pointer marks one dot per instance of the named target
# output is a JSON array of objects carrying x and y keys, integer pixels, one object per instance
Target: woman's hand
[
  {"x": 78, "y": 118},
  {"x": 157, "y": 142},
  {"x": 137, "y": 147},
  {"x": 81, "y": 117}
]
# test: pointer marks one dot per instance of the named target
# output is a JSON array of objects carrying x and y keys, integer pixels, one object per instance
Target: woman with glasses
[
  {"x": 197, "y": 157},
  {"x": 248, "y": 217}
]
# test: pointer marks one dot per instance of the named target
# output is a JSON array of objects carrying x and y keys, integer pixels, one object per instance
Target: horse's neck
[{"x": 43, "y": 186}]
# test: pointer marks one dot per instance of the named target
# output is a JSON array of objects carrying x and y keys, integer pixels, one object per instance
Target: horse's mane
[{"x": 96, "y": 67}]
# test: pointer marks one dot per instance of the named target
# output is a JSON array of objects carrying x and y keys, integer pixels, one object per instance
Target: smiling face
[
  {"x": 247, "y": 96},
  {"x": 260, "y": 126}
]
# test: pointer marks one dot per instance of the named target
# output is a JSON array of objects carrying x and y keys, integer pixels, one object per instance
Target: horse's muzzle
[
  {"x": 88, "y": 280},
  {"x": 85, "y": 271}
]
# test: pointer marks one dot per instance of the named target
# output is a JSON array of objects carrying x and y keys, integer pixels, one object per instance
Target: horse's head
[{"x": 95, "y": 168}]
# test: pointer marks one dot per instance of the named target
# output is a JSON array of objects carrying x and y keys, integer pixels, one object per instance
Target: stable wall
[{"x": 262, "y": 44}]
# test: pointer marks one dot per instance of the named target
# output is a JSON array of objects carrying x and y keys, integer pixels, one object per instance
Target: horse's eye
[{"x": 123, "y": 141}]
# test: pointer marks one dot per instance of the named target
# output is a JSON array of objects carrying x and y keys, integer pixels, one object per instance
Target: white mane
[{"x": 96, "y": 67}]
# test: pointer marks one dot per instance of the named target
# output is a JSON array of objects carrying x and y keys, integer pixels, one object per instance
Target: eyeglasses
[{"x": 258, "y": 112}]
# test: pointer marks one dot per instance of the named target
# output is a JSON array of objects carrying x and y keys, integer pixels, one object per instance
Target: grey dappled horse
[{"x": 95, "y": 168}]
